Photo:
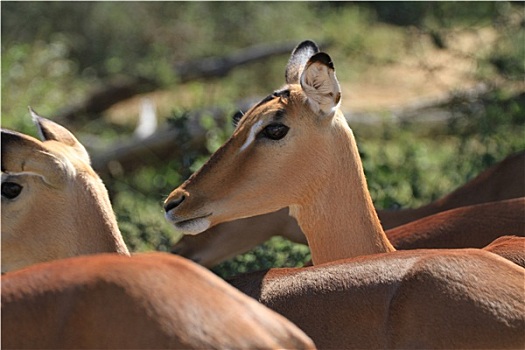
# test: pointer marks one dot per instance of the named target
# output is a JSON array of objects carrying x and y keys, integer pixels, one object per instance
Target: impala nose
[{"x": 172, "y": 203}]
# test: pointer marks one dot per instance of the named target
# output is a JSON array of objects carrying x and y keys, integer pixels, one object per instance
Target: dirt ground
[{"x": 425, "y": 73}]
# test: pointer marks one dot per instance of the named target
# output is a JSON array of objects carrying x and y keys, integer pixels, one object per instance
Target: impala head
[
  {"x": 53, "y": 204},
  {"x": 277, "y": 156}
]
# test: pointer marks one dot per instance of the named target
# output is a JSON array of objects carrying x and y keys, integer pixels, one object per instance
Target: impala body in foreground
[
  {"x": 295, "y": 149},
  {"x": 147, "y": 301},
  {"x": 462, "y": 299},
  {"x": 107, "y": 301}
]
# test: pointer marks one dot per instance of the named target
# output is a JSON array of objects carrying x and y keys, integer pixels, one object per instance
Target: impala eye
[
  {"x": 11, "y": 190},
  {"x": 275, "y": 131}
]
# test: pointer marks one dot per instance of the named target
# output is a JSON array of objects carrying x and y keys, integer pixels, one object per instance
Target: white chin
[{"x": 193, "y": 227}]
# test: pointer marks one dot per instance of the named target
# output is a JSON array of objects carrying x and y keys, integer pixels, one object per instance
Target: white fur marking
[
  {"x": 193, "y": 227},
  {"x": 7, "y": 174},
  {"x": 251, "y": 136}
]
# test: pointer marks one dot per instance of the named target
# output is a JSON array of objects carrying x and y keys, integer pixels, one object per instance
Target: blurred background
[{"x": 434, "y": 91}]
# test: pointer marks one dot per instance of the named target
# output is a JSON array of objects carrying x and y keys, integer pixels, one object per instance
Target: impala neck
[
  {"x": 339, "y": 220},
  {"x": 98, "y": 222}
]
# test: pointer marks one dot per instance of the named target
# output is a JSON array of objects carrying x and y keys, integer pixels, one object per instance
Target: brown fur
[
  {"x": 61, "y": 195},
  {"x": 510, "y": 247},
  {"x": 467, "y": 227},
  {"x": 315, "y": 194},
  {"x": 230, "y": 239},
  {"x": 111, "y": 301},
  {"x": 412, "y": 299},
  {"x": 485, "y": 223},
  {"x": 148, "y": 301},
  {"x": 504, "y": 180}
]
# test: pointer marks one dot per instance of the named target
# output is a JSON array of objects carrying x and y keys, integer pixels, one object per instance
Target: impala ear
[
  {"x": 300, "y": 55},
  {"x": 320, "y": 85},
  {"x": 22, "y": 154},
  {"x": 49, "y": 130}
]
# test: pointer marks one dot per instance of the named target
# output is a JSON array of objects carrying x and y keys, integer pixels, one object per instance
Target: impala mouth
[{"x": 192, "y": 226}]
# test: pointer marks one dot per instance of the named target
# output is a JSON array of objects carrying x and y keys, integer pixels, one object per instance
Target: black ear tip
[
  {"x": 323, "y": 58},
  {"x": 307, "y": 44},
  {"x": 237, "y": 117}
]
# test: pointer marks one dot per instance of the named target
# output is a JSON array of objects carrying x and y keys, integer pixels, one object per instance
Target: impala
[
  {"x": 510, "y": 247},
  {"x": 114, "y": 301},
  {"x": 485, "y": 223},
  {"x": 47, "y": 179},
  {"x": 460, "y": 299},
  {"x": 504, "y": 180},
  {"x": 501, "y": 181},
  {"x": 153, "y": 300},
  {"x": 295, "y": 149},
  {"x": 472, "y": 226}
]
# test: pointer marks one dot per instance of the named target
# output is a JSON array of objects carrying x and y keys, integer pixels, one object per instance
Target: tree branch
[{"x": 119, "y": 89}]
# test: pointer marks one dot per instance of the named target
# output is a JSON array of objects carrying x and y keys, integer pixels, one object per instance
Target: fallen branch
[
  {"x": 189, "y": 137},
  {"x": 220, "y": 66},
  {"x": 120, "y": 89},
  {"x": 104, "y": 97},
  {"x": 172, "y": 141}
]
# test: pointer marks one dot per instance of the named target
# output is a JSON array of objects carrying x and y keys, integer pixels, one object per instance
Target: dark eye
[
  {"x": 275, "y": 131},
  {"x": 11, "y": 190}
]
